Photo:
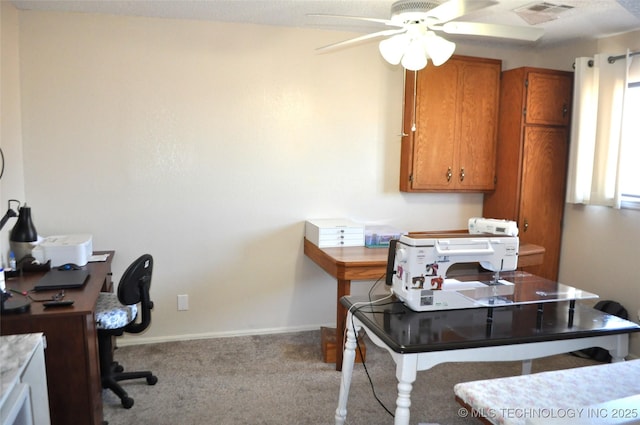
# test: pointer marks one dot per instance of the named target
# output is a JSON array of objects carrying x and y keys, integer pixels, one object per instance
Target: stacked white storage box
[{"x": 334, "y": 232}]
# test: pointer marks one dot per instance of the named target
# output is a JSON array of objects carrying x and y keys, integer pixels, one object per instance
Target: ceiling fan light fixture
[
  {"x": 413, "y": 41},
  {"x": 414, "y": 51},
  {"x": 415, "y": 57},
  {"x": 438, "y": 48},
  {"x": 392, "y": 49}
]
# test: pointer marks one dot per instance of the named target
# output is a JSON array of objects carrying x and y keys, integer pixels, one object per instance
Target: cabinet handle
[
  {"x": 449, "y": 174},
  {"x": 565, "y": 109},
  {"x": 526, "y": 224},
  {"x": 462, "y": 174}
]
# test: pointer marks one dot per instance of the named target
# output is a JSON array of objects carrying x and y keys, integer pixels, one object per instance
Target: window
[
  {"x": 605, "y": 134},
  {"x": 630, "y": 158}
]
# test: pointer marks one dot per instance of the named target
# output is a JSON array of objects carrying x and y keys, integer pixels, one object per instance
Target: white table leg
[
  {"x": 406, "y": 370},
  {"x": 621, "y": 348},
  {"x": 348, "y": 360},
  {"x": 526, "y": 367}
]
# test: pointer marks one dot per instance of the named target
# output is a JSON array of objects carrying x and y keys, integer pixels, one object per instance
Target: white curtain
[{"x": 596, "y": 130}]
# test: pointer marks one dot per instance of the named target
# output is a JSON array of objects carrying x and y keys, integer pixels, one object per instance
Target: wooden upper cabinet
[
  {"x": 548, "y": 98},
  {"x": 450, "y": 126}
]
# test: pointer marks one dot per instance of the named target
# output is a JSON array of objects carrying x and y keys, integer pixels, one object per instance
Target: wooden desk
[
  {"x": 362, "y": 263},
  {"x": 71, "y": 353}
]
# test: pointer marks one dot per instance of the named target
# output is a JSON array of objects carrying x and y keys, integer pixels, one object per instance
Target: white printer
[{"x": 64, "y": 249}]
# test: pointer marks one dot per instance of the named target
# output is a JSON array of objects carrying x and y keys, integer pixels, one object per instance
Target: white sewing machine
[{"x": 417, "y": 268}]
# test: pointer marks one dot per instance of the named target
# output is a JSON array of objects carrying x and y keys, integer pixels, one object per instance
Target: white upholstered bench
[{"x": 602, "y": 394}]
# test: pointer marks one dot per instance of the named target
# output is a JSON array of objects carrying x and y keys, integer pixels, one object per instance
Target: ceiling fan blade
[
  {"x": 452, "y": 9},
  {"x": 357, "y": 18},
  {"x": 491, "y": 30},
  {"x": 361, "y": 38}
]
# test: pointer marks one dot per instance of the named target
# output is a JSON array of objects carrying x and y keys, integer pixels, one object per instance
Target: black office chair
[{"x": 116, "y": 314}]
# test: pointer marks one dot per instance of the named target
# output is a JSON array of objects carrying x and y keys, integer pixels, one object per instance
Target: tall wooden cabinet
[
  {"x": 450, "y": 126},
  {"x": 531, "y": 166}
]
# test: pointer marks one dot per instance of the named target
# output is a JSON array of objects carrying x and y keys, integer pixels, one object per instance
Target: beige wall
[
  {"x": 208, "y": 145},
  {"x": 12, "y": 182}
]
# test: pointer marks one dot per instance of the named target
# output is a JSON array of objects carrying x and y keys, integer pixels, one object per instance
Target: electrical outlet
[{"x": 183, "y": 302}]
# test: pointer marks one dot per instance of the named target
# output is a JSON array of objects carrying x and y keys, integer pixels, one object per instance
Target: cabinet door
[
  {"x": 435, "y": 127},
  {"x": 549, "y": 98},
  {"x": 478, "y": 126},
  {"x": 543, "y": 188},
  {"x": 451, "y": 129}
]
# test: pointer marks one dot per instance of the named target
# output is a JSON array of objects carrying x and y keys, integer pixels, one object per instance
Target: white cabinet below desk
[{"x": 24, "y": 398}]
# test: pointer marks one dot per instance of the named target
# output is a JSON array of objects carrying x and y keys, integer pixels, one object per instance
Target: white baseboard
[{"x": 138, "y": 340}]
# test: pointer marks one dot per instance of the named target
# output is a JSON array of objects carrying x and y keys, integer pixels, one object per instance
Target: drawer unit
[{"x": 334, "y": 232}]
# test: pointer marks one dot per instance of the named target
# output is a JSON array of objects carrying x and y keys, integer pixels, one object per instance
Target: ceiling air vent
[{"x": 540, "y": 12}]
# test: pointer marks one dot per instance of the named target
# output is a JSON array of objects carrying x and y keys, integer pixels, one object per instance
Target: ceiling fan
[{"x": 413, "y": 40}]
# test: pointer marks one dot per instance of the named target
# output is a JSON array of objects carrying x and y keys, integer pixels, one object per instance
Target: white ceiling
[{"x": 588, "y": 18}]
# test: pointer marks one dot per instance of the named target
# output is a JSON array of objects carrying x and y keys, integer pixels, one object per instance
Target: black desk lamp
[{"x": 23, "y": 232}]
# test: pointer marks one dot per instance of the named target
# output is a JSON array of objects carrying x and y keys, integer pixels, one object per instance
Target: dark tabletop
[{"x": 407, "y": 331}]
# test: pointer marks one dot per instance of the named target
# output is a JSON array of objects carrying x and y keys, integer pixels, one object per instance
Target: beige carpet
[{"x": 281, "y": 380}]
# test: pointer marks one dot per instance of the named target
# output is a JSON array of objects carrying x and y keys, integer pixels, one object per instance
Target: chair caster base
[
  {"x": 127, "y": 402},
  {"x": 152, "y": 380}
]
